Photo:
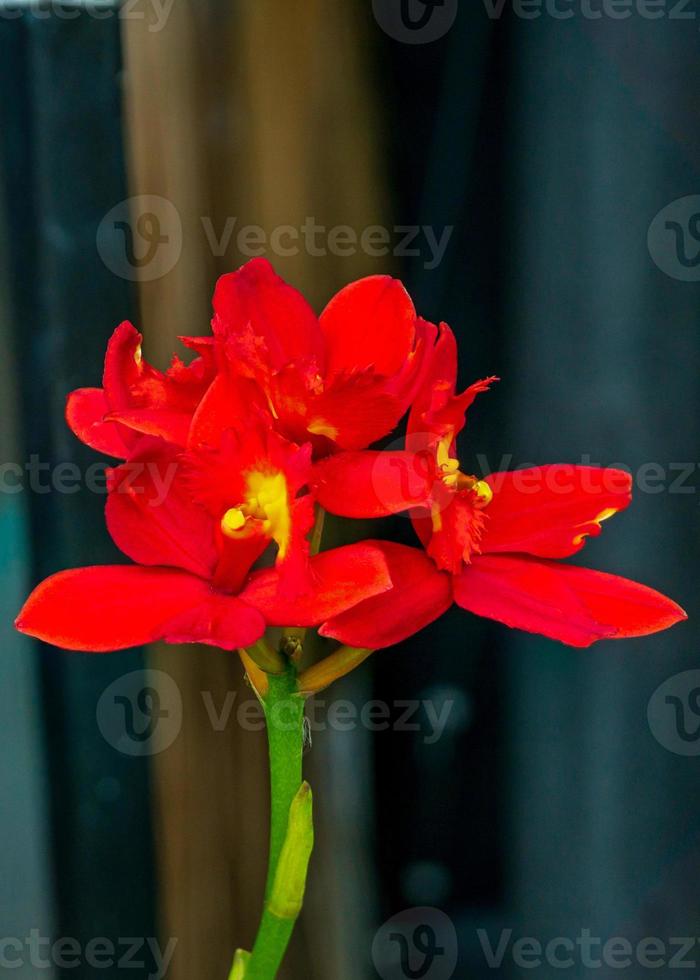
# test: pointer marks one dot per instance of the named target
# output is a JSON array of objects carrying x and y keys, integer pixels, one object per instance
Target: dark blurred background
[{"x": 532, "y": 172}]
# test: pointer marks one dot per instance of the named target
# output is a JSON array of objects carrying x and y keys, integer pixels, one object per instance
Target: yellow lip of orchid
[
  {"x": 453, "y": 478},
  {"x": 266, "y": 507}
]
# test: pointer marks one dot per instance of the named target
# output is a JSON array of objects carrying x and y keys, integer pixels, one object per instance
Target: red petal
[
  {"x": 549, "y": 511},
  {"x": 256, "y": 296},
  {"x": 373, "y": 484},
  {"x": 221, "y": 621},
  {"x": 441, "y": 373},
  {"x": 112, "y": 607},
  {"x": 228, "y": 403},
  {"x": 437, "y": 411},
  {"x": 420, "y": 594},
  {"x": 564, "y": 602},
  {"x": 146, "y": 400},
  {"x": 169, "y": 425},
  {"x": 351, "y": 413},
  {"x": 122, "y": 365},
  {"x": 152, "y": 518},
  {"x": 341, "y": 578},
  {"x": 236, "y": 559},
  {"x": 371, "y": 322},
  {"x": 85, "y": 412}
]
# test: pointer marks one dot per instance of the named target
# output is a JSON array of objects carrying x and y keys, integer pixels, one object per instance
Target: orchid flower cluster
[
  {"x": 270, "y": 423},
  {"x": 266, "y": 429}
]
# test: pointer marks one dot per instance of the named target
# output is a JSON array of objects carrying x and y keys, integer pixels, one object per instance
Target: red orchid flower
[
  {"x": 340, "y": 381},
  {"x": 491, "y": 542},
  {"x": 135, "y": 398},
  {"x": 195, "y": 520},
  {"x": 214, "y": 475},
  {"x": 193, "y": 581}
]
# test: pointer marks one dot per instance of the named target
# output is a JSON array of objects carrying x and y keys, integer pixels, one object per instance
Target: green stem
[
  {"x": 270, "y": 946},
  {"x": 284, "y": 714}
]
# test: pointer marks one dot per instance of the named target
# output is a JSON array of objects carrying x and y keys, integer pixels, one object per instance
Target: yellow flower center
[
  {"x": 265, "y": 508},
  {"x": 452, "y": 476}
]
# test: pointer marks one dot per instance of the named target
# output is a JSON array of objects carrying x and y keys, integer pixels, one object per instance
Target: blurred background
[{"x": 531, "y": 170}]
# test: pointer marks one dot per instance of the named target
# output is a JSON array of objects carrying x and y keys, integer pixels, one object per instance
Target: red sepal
[
  {"x": 151, "y": 516},
  {"x": 264, "y": 318},
  {"x": 86, "y": 409},
  {"x": 341, "y": 578},
  {"x": 112, "y": 607},
  {"x": 373, "y": 484},
  {"x": 563, "y": 602},
  {"x": 549, "y": 511},
  {"x": 370, "y": 323},
  {"x": 419, "y": 595}
]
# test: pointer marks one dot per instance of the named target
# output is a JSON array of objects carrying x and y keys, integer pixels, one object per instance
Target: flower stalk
[{"x": 291, "y": 826}]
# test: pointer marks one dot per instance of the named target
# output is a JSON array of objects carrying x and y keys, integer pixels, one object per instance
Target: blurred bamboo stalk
[{"x": 263, "y": 112}]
